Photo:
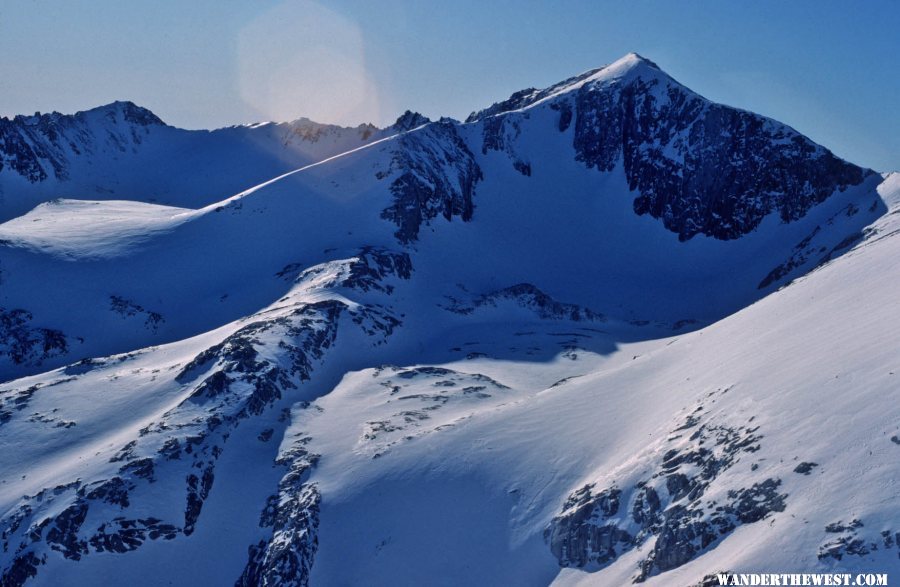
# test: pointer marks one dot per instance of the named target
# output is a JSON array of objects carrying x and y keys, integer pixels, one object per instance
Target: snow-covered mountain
[
  {"x": 123, "y": 151},
  {"x": 604, "y": 332}
]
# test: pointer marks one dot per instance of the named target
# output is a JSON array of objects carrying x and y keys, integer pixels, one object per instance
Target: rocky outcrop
[
  {"x": 851, "y": 539},
  {"x": 527, "y": 296},
  {"x": 17, "y": 399},
  {"x": 683, "y": 508},
  {"x": 304, "y": 130},
  {"x": 583, "y": 536},
  {"x": 129, "y": 309},
  {"x": 500, "y": 133},
  {"x": 286, "y": 558},
  {"x": 409, "y": 120},
  {"x": 434, "y": 174},
  {"x": 25, "y": 344},
  {"x": 374, "y": 266},
  {"x": 419, "y": 401}
]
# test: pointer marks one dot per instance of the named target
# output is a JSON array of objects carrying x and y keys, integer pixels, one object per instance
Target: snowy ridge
[
  {"x": 185, "y": 424},
  {"x": 631, "y": 65},
  {"x": 123, "y": 151},
  {"x": 506, "y": 351}
]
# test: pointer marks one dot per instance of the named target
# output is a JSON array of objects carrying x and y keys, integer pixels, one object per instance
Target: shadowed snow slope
[{"x": 601, "y": 333}]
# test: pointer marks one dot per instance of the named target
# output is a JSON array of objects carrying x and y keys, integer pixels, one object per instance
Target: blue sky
[{"x": 830, "y": 69}]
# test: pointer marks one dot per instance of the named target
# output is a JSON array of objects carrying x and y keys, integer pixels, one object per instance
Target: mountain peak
[
  {"x": 410, "y": 120},
  {"x": 632, "y": 60},
  {"x": 125, "y": 110},
  {"x": 631, "y": 64}
]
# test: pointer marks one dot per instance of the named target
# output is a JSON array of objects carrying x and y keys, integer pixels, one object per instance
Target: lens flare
[{"x": 303, "y": 59}]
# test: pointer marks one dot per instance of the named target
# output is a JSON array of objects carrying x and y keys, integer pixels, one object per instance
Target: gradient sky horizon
[{"x": 829, "y": 69}]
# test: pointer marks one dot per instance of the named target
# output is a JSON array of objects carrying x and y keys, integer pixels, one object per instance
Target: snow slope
[{"x": 471, "y": 353}]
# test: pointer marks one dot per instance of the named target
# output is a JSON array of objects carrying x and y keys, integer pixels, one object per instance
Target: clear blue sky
[{"x": 830, "y": 69}]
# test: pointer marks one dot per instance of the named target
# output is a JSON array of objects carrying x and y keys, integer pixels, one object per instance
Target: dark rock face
[
  {"x": 500, "y": 133},
  {"x": 581, "y": 537},
  {"x": 131, "y": 113},
  {"x": 805, "y": 468},
  {"x": 25, "y": 344},
  {"x": 703, "y": 168},
  {"x": 39, "y": 147},
  {"x": 410, "y": 120},
  {"x": 435, "y": 174},
  {"x": 682, "y": 536},
  {"x": 63, "y": 533},
  {"x": 565, "y": 115},
  {"x": 756, "y": 502},
  {"x": 198, "y": 491},
  {"x": 121, "y": 535},
  {"x": 850, "y": 539},
  {"x": 140, "y": 468},
  {"x": 24, "y": 567},
  {"x": 672, "y": 506},
  {"x": 22, "y": 158},
  {"x": 847, "y": 542},
  {"x": 293, "y": 514},
  {"x": 129, "y": 309},
  {"x": 114, "y": 491},
  {"x": 372, "y": 268}
]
